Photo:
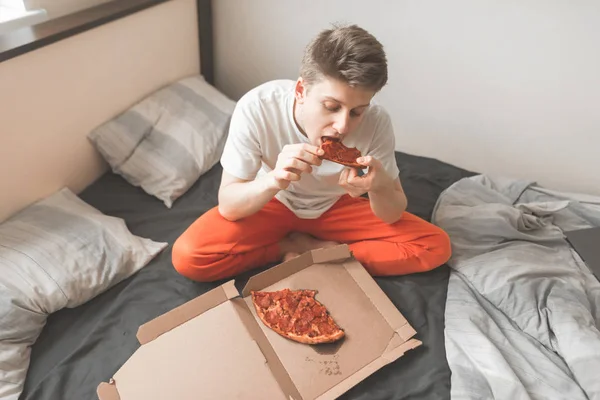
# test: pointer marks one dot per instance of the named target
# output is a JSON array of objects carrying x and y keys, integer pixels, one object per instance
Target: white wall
[{"x": 501, "y": 87}]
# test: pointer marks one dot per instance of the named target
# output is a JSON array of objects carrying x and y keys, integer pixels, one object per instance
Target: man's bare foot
[
  {"x": 289, "y": 256},
  {"x": 297, "y": 243},
  {"x": 307, "y": 242}
]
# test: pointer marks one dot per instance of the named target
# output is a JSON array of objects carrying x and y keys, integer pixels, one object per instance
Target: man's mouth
[{"x": 332, "y": 138}]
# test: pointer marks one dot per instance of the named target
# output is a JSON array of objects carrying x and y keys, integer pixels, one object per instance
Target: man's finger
[
  {"x": 287, "y": 175},
  {"x": 302, "y": 155},
  {"x": 308, "y": 157},
  {"x": 352, "y": 173},
  {"x": 343, "y": 177},
  {"x": 361, "y": 182},
  {"x": 300, "y": 165},
  {"x": 312, "y": 149},
  {"x": 369, "y": 161},
  {"x": 295, "y": 149}
]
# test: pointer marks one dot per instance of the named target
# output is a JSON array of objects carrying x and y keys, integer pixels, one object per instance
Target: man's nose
[{"x": 342, "y": 124}]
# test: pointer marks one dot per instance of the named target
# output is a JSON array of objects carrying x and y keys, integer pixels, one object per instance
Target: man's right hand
[
  {"x": 293, "y": 161},
  {"x": 239, "y": 198}
]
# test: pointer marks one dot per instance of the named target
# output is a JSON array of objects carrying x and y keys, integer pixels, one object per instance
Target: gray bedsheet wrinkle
[{"x": 523, "y": 310}]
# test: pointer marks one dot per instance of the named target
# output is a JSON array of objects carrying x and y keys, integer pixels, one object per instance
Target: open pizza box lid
[{"x": 216, "y": 347}]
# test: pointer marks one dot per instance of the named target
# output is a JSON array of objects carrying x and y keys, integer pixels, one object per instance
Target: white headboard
[{"x": 51, "y": 97}]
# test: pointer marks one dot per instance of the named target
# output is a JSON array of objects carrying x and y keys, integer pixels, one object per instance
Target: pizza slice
[
  {"x": 336, "y": 151},
  {"x": 296, "y": 315}
]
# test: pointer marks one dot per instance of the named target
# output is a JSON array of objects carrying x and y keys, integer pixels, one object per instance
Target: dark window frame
[{"x": 23, "y": 40}]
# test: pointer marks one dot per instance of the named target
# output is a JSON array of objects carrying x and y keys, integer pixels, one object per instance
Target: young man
[{"x": 278, "y": 199}]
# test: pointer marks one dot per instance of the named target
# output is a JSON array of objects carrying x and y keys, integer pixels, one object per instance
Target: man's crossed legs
[{"x": 213, "y": 248}]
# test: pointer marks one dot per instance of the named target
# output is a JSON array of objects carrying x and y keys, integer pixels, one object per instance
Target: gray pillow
[
  {"x": 164, "y": 143},
  {"x": 59, "y": 252}
]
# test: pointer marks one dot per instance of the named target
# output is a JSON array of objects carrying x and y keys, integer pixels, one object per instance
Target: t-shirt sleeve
[
  {"x": 384, "y": 143},
  {"x": 242, "y": 155}
]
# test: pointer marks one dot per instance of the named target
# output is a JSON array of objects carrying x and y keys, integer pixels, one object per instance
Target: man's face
[{"x": 329, "y": 108}]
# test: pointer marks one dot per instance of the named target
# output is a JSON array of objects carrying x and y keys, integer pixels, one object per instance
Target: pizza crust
[{"x": 317, "y": 339}]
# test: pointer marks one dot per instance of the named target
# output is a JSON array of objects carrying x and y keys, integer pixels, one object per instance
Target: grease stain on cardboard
[{"x": 328, "y": 367}]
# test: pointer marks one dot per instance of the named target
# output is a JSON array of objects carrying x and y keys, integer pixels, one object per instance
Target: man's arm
[
  {"x": 389, "y": 203},
  {"x": 386, "y": 195},
  {"x": 239, "y": 198}
]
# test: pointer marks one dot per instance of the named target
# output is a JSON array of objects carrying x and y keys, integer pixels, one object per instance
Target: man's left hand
[{"x": 375, "y": 179}]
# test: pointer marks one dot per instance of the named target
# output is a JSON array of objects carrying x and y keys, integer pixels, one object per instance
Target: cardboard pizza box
[{"x": 216, "y": 347}]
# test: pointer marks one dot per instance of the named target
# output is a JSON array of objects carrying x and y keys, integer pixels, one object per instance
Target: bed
[
  {"x": 81, "y": 347},
  {"x": 495, "y": 322}
]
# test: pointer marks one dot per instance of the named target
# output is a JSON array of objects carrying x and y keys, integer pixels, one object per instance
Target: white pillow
[
  {"x": 168, "y": 140},
  {"x": 59, "y": 252}
]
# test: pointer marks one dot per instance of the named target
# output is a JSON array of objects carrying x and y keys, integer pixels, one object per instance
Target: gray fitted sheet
[{"x": 81, "y": 347}]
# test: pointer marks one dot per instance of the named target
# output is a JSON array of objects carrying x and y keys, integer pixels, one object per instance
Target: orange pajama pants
[{"x": 213, "y": 248}]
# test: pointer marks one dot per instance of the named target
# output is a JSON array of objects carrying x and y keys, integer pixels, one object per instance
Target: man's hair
[{"x": 346, "y": 53}]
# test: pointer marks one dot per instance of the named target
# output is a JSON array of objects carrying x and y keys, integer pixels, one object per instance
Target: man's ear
[{"x": 300, "y": 90}]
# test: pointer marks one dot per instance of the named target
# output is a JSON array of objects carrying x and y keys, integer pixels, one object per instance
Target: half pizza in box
[{"x": 217, "y": 347}]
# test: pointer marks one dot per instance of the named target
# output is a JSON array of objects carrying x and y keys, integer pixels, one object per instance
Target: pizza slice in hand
[
  {"x": 336, "y": 151},
  {"x": 296, "y": 315}
]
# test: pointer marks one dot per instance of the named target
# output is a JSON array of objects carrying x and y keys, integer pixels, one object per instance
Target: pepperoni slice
[
  {"x": 264, "y": 301},
  {"x": 307, "y": 316},
  {"x": 277, "y": 296},
  {"x": 325, "y": 328},
  {"x": 301, "y": 326},
  {"x": 290, "y": 303},
  {"x": 272, "y": 317},
  {"x": 285, "y": 323}
]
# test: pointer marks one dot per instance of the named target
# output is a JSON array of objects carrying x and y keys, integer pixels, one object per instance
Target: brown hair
[{"x": 346, "y": 53}]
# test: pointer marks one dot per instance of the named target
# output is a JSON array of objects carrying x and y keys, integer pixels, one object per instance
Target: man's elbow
[
  {"x": 392, "y": 219},
  {"x": 224, "y": 206},
  {"x": 227, "y": 213}
]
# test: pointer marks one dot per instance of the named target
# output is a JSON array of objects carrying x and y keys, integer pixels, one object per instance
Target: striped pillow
[
  {"x": 59, "y": 252},
  {"x": 164, "y": 143}
]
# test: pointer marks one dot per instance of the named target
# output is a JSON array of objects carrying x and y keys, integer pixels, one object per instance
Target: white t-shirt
[{"x": 263, "y": 123}]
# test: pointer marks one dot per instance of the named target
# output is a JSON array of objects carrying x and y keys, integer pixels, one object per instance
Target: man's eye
[
  {"x": 354, "y": 114},
  {"x": 332, "y": 109}
]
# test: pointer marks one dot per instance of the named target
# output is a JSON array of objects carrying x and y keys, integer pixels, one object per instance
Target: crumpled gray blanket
[{"x": 523, "y": 310}]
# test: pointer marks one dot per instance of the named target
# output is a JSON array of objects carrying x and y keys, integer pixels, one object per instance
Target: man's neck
[{"x": 296, "y": 112}]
